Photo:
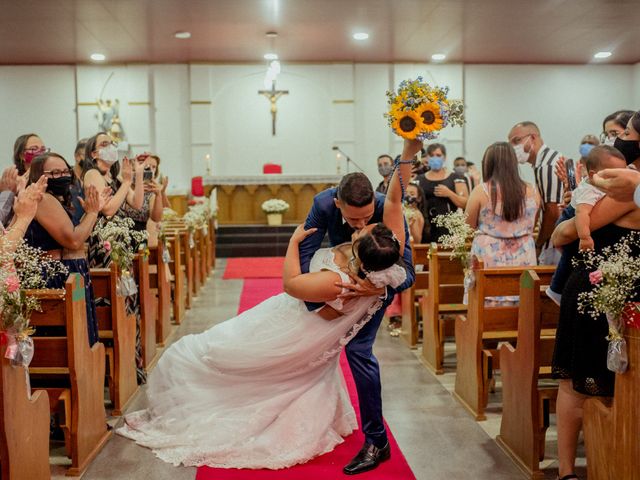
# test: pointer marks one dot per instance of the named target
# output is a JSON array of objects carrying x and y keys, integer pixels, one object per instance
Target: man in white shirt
[{"x": 530, "y": 148}]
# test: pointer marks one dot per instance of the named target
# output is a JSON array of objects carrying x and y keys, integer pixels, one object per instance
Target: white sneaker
[{"x": 556, "y": 297}]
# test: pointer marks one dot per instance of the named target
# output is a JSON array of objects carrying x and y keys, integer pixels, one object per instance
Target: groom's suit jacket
[{"x": 327, "y": 218}]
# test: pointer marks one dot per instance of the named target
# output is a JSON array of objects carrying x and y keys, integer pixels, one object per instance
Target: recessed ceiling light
[
  {"x": 98, "y": 57},
  {"x": 438, "y": 57},
  {"x": 602, "y": 55},
  {"x": 361, "y": 36},
  {"x": 271, "y": 56},
  {"x": 182, "y": 35}
]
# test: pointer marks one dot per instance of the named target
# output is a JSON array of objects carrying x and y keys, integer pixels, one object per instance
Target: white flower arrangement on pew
[
  {"x": 615, "y": 276},
  {"x": 457, "y": 240},
  {"x": 274, "y": 205},
  {"x": 27, "y": 268},
  {"x": 118, "y": 238}
]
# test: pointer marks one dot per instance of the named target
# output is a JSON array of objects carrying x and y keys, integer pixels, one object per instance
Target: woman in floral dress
[{"x": 504, "y": 209}]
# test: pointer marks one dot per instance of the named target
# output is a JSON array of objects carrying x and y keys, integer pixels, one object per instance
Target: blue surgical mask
[
  {"x": 436, "y": 163},
  {"x": 585, "y": 148}
]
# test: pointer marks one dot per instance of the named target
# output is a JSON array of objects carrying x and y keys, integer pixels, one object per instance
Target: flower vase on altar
[{"x": 274, "y": 219}]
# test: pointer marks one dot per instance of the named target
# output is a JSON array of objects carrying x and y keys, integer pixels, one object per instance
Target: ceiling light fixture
[
  {"x": 602, "y": 55},
  {"x": 360, "y": 36},
  {"x": 98, "y": 57},
  {"x": 438, "y": 57},
  {"x": 182, "y": 35},
  {"x": 271, "y": 56}
]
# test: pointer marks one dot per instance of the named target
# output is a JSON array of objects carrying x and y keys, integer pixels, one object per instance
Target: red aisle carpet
[
  {"x": 254, "y": 267},
  {"x": 325, "y": 467}
]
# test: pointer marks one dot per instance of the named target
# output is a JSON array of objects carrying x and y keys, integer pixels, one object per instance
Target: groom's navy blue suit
[{"x": 327, "y": 218}]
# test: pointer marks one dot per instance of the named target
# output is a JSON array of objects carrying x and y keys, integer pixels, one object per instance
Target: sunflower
[
  {"x": 429, "y": 115},
  {"x": 407, "y": 124}
]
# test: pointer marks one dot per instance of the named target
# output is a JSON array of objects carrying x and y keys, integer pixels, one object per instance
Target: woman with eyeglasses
[
  {"x": 102, "y": 171},
  {"x": 613, "y": 126},
  {"x": 54, "y": 231},
  {"x": 627, "y": 141}
]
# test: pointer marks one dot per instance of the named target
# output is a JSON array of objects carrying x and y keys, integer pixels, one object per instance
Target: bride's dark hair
[{"x": 379, "y": 249}]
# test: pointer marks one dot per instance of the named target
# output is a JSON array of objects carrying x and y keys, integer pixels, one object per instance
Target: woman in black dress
[
  {"x": 444, "y": 191},
  {"x": 580, "y": 355}
]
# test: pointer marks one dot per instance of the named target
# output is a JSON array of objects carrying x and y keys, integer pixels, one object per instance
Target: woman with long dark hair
[
  {"x": 25, "y": 149},
  {"x": 54, "y": 231},
  {"x": 503, "y": 209}
]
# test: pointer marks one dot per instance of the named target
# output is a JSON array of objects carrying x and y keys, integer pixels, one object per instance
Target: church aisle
[{"x": 439, "y": 439}]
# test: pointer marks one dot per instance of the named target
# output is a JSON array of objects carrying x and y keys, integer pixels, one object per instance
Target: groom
[{"x": 339, "y": 212}]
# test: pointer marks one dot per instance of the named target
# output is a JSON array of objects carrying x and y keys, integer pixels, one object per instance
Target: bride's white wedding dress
[{"x": 261, "y": 390}]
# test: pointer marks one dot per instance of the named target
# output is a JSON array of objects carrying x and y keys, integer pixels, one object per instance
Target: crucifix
[{"x": 273, "y": 95}]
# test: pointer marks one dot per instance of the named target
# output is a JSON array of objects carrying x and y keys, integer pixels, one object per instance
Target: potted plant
[{"x": 274, "y": 208}]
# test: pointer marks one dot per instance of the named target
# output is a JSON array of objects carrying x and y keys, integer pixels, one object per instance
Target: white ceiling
[{"x": 470, "y": 31}]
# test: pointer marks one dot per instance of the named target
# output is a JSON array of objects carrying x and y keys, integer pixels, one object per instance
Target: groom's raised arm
[{"x": 317, "y": 218}]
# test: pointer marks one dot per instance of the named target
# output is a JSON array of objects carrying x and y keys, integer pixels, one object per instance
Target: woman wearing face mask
[
  {"x": 627, "y": 142},
  {"x": 25, "y": 149},
  {"x": 613, "y": 125},
  {"x": 53, "y": 230},
  {"x": 444, "y": 191},
  {"x": 385, "y": 169},
  {"x": 413, "y": 208}
]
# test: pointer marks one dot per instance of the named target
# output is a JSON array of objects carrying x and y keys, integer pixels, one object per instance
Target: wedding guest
[
  {"x": 414, "y": 208},
  {"x": 25, "y": 207},
  {"x": 461, "y": 167},
  {"x": 54, "y": 231},
  {"x": 444, "y": 191},
  {"x": 151, "y": 208},
  {"x": 78, "y": 156},
  {"x": 503, "y": 209},
  {"x": 25, "y": 149},
  {"x": 153, "y": 162},
  {"x": 527, "y": 142},
  {"x": 8, "y": 189},
  {"x": 614, "y": 125},
  {"x": 385, "y": 169},
  {"x": 627, "y": 141},
  {"x": 580, "y": 354}
]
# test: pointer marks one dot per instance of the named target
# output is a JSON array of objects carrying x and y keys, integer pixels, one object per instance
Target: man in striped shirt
[{"x": 530, "y": 148}]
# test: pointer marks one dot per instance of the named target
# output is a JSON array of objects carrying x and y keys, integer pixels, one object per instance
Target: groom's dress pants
[{"x": 366, "y": 374}]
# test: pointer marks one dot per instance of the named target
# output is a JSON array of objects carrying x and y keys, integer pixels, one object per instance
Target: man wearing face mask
[
  {"x": 444, "y": 191},
  {"x": 385, "y": 169},
  {"x": 530, "y": 148}
]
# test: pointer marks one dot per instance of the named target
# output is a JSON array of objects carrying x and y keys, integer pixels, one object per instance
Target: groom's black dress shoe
[{"x": 368, "y": 458}]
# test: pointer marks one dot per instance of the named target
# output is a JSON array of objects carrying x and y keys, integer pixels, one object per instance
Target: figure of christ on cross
[{"x": 273, "y": 95}]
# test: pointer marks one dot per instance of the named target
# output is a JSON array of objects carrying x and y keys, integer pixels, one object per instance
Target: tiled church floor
[{"x": 437, "y": 436}]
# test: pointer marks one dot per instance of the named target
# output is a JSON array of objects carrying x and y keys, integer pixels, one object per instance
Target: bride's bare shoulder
[{"x": 341, "y": 254}]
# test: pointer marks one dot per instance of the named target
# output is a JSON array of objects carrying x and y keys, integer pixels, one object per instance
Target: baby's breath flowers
[
  {"x": 615, "y": 276},
  {"x": 26, "y": 268},
  {"x": 275, "y": 205},
  {"x": 460, "y": 233}
]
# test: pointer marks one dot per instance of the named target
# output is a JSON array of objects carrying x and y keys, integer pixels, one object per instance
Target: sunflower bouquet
[{"x": 419, "y": 111}]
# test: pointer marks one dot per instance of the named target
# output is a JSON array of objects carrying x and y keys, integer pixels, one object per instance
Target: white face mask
[
  {"x": 609, "y": 141},
  {"x": 521, "y": 155},
  {"x": 108, "y": 154}
]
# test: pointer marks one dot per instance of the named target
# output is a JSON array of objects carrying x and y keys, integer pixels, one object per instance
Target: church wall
[
  {"x": 41, "y": 100},
  {"x": 184, "y": 112}
]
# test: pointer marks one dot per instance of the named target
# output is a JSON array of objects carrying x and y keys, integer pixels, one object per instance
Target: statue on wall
[
  {"x": 273, "y": 95},
  {"x": 107, "y": 110}
]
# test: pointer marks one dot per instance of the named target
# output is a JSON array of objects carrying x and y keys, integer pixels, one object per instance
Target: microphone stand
[{"x": 348, "y": 159}]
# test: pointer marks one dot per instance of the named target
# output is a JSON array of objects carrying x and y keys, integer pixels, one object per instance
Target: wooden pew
[
  {"x": 196, "y": 263},
  {"x": 178, "y": 277},
  {"x": 413, "y": 296},
  {"x": 24, "y": 425},
  {"x": 148, "y": 309},
  {"x": 186, "y": 261},
  {"x": 70, "y": 371},
  {"x": 211, "y": 244},
  {"x": 526, "y": 405},
  {"x": 446, "y": 294},
  {"x": 117, "y": 331},
  {"x": 483, "y": 328},
  {"x": 201, "y": 248},
  {"x": 612, "y": 429},
  {"x": 161, "y": 291}
]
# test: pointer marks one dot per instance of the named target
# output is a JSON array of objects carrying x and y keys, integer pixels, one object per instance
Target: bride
[{"x": 264, "y": 389}]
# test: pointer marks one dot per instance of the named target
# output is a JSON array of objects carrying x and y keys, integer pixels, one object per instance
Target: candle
[{"x": 207, "y": 160}]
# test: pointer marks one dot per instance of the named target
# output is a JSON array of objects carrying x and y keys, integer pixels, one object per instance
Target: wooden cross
[{"x": 273, "y": 95}]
